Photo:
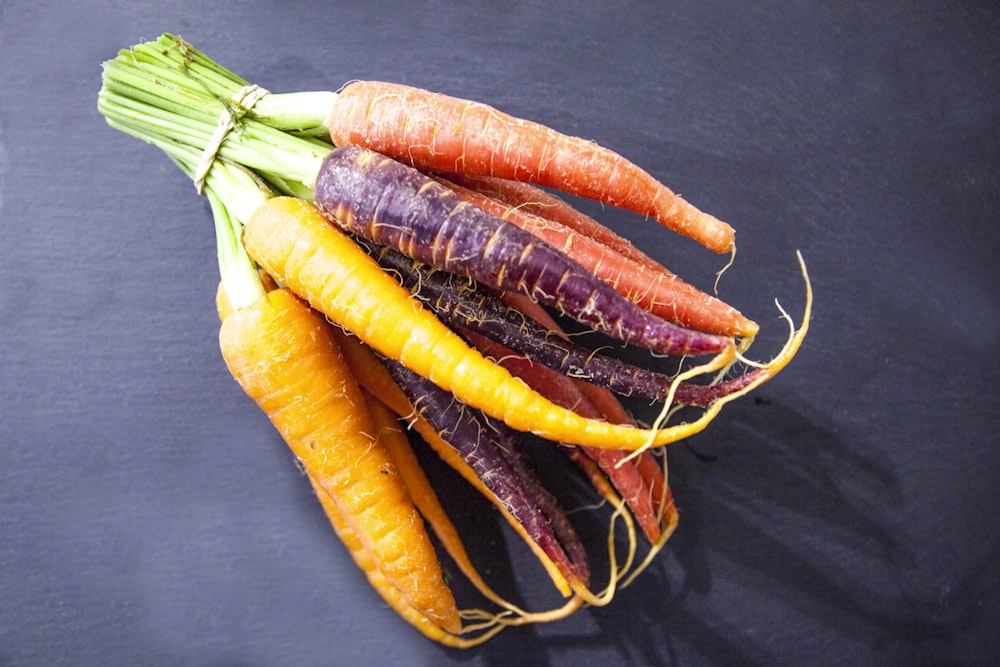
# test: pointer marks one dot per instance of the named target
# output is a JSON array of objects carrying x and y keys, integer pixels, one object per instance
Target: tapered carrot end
[
  {"x": 745, "y": 327},
  {"x": 719, "y": 318},
  {"x": 684, "y": 218},
  {"x": 714, "y": 234}
]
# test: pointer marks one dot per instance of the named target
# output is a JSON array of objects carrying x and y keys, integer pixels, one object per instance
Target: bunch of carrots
[{"x": 393, "y": 261}]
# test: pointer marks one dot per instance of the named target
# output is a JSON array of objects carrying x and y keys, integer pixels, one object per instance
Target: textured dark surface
[{"x": 149, "y": 514}]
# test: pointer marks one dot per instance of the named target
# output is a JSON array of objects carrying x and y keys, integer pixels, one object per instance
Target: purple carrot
[
  {"x": 462, "y": 303},
  {"x": 492, "y": 453},
  {"x": 546, "y": 502},
  {"x": 397, "y": 206}
]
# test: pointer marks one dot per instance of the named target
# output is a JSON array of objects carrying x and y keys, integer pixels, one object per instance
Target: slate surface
[{"x": 151, "y": 516}]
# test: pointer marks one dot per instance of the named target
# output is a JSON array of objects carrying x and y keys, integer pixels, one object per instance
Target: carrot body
[
  {"x": 460, "y": 302},
  {"x": 419, "y": 489},
  {"x": 435, "y": 132},
  {"x": 491, "y": 451},
  {"x": 280, "y": 352},
  {"x": 653, "y": 487},
  {"x": 657, "y": 290},
  {"x": 607, "y": 406},
  {"x": 427, "y": 626},
  {"x": 649, "y": 468},
  {"x": 395, "y": 205},
  {"x": 563, "y": 391},
  {"x": 293, "y": 242},
  {"x": 538, "y": 202},
  {"x": 373, "y": 376}
]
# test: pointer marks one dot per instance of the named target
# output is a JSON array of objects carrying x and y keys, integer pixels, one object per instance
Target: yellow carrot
[
  {"x": 419, "y": 488},
  {"x": 391, "y": 595},
  {"x": 294, "y": 243}
]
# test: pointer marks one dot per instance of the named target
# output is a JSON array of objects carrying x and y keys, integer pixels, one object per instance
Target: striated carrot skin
[
  {"x": 652, "y": 490},
  {"x": 418, "y": 486},
  {"x": 395, "y": 205},
  {"x": 281, "y": 353},
  {"x": 651, "y": 470},
  {"x": 390, "y": 435},
  {"x": 536, "y": 201},
  {"x": 392, "y": 597},
  {"x": 420, "y": 491},
  {"x": 564, "y": 391},
  {"x": 371, "y": 372},
  {"x": 435, "y": 132},
  {"x": 293, "y": 242},
  {"x": 610, "y": 409},
  {"x": 461, "y": 303},
  {"x": 657, "y": 290},
  {"x": 491, "y": 450}
]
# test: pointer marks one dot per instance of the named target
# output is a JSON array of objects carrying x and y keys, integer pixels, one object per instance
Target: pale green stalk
[
  {"x": 184, "y": 68},
  {"x": 237, "y": 271},
  {"x": 169, "y": 90},
  {"x": 233, "y": 193},
  {"x": 171, "y": 95}
]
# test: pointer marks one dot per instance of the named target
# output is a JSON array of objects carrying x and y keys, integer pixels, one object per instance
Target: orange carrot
[
  {"x": 435, "y": 132},
  {"x": 657, "y": 290},
  {"x": 283, "y": 355},
  {"x": 280, "y": 352},
  {"x": 419, "y": 490},
  {"x": 396, "y": 444},
  {"x": 293, "y": 242}
]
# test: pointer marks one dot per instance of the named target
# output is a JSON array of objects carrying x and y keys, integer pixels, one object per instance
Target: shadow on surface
[{"x": 790, "y": 527}]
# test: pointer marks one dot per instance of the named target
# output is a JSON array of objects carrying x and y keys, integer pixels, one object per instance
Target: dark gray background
[{"x": 150, "y": 515}]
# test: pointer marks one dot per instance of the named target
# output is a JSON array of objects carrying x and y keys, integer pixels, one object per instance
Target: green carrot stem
[
  {"x": 182, "y": 67},
  {"x": 169, "y": 90},
  {"x": 233, "y": 193},
  {"x": 171, "y": 95}
]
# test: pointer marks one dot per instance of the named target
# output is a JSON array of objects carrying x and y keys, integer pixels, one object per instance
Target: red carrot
[
  {"x": 654, "y": 288},
  {"x": 650, "y": 469},
  {"x": 438, "y": 133},
  {"x": 611, "y": 410}
]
